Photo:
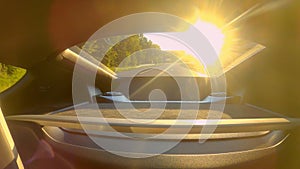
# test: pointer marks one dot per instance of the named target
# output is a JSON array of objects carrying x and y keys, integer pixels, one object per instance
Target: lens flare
[{"x": 214, "y": 34}]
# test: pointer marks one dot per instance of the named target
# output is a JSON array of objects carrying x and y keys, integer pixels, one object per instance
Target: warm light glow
[
  {"x": 211, "y": 31},
  {"x": 224, "y": 37},
  {"x": 224, "y": 32},
  {"x": 214, "y": 34}
]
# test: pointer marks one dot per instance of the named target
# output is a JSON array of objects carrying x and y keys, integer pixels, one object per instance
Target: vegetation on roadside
[
  {"x": 9, "y": 75},
  {"x": 137, "y": 51},
  {"x": 121, "y": 52}
]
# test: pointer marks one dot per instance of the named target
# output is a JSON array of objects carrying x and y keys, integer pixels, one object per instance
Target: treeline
[
  {"x": 132, "y": 51},
  {"x": 136, "y": 50}
]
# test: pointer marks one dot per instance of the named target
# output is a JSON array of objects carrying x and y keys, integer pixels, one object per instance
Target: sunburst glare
[{"x": 222, "y": 31}]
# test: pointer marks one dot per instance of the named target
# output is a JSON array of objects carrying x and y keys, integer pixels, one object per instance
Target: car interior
[{"x": 100, "y": 86}]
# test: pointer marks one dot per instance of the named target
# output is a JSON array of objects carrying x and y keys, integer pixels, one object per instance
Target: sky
[{"x": 212, "y": 33}]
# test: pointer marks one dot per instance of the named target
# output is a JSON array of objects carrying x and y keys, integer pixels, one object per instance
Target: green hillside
[{"x": 9, "y": 75}]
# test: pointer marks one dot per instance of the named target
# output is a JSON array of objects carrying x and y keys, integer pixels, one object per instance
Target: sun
[
  {"x": 223, "y": 36},
  {"x": 227, "y": 41},
  {"x": 214, "y": 34}
]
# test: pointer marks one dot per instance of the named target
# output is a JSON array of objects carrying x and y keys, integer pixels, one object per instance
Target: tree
[{"x": 120, "y": 51}]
